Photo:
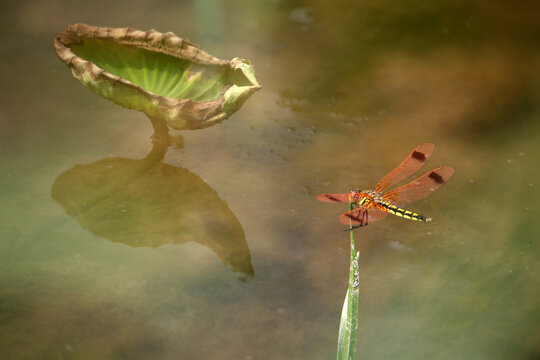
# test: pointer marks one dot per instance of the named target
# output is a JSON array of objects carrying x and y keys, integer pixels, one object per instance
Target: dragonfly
[{"x": 372, "y": 205}]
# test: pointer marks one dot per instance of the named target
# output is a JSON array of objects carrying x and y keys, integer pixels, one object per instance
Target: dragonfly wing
[
  {"x": 362, "y": 216},
  {"x": 419, "y": 188},
  {"x": 409, "y": 166},
  {"x": 333, "y": 198}
]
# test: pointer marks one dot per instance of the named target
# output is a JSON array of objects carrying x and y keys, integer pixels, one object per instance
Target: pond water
[{"x": 219, "y": 249}]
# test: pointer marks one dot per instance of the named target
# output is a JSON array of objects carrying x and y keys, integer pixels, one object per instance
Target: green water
[{"x": 219, "y": 250}]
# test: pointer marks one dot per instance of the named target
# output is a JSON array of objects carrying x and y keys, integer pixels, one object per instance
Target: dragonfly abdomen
[{"x": 394, "y": 210}]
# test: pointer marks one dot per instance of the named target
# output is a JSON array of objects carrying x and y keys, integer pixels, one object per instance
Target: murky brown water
[{"x": 102, "y": 258}]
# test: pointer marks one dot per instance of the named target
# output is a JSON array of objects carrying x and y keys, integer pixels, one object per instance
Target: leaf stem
[{"x": 348, "y": 327}]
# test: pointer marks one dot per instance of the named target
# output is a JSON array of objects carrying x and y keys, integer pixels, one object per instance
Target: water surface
[{"x": 219, "y": 250}]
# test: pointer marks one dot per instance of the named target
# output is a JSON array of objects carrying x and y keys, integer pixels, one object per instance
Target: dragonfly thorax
[{"x": 367, "y": 196}]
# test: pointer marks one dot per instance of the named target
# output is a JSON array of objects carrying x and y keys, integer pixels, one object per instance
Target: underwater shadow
[{"x": 147, "y": 203}]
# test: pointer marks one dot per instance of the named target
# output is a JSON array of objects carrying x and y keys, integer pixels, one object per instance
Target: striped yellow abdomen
[{"x": 394, "y": 210}]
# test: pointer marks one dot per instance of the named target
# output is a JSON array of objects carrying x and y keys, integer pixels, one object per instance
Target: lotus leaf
[{"x": 163, "y": 75}]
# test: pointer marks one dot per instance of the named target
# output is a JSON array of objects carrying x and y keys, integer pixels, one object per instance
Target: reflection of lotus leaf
[
  {"x": 149, "y": 203},
  {"x": 166, "y": 77}
]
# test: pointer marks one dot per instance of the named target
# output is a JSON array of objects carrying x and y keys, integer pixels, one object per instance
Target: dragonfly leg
[{"x": 363, "y": 221}]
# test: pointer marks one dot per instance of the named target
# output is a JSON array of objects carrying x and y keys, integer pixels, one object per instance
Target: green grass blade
[{"x": 348, "y": 325}]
